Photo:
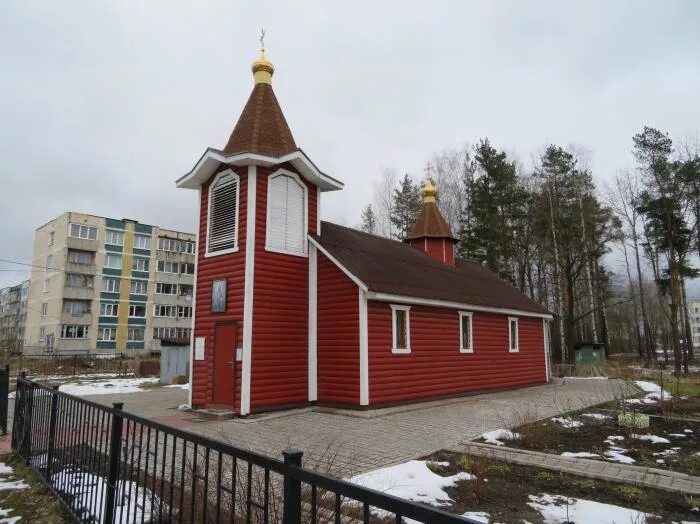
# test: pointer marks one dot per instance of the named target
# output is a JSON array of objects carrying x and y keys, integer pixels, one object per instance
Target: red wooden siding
[
  {"x": 338, "y": 334},
  {"x": 435, "y": 367},
  {"x": 439, "y": 248},
  {"x": 229, "y": 266},
  {"x": 279, "y": 370}
]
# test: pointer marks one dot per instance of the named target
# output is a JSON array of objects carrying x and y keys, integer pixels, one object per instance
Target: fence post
[
  {"x": 114, "y": 456},
  {"x": 75, "y": 362},
  {"x": 4, "y": 398},
  {"x": 292, "y": 488},
  {"x": 52, "y": 433}
]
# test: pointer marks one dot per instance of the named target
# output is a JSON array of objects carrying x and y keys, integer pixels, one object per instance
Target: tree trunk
[
  {"x": 634, "y": 302},
  {"x": 589, "y": 278},
  {"x": 649, "y": 346}
]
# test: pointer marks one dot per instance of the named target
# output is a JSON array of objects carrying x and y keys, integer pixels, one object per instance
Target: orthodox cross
[{"x": 262, "y": 41}]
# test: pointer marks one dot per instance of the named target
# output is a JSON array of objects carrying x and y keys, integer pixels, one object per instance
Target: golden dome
[
  {"x": 262, "y": 69},
  {"x": 429, "y": 192}
]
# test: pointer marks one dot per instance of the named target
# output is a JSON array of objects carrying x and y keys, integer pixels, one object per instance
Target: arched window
[
  {"x": 286, "y": 214},
  {"x": 222, "y": 229}
]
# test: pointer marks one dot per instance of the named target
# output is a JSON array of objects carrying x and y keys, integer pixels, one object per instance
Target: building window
[
  {"x": 142, "y": 242},
  {"x": 113, "y": 261},
  {"x": 184, "y": 311},
  {"x": 513, "y": 336},
  {"x": 135, "y": 334},
  {"x": 78, "y": 280},
  {"x": 185, "y": 290},
  {"x": 171, "y": 332},
  {"x": 465, "y": 332},
  {"x": 166, "y": 289},
  {"x": 139, "y": 287},
  {"x": 44, "y": 309},
  {"x": 74, "y": 331},
  {"x": 165, "y": 266},
  {"x": 222, "y": 230},
  {"x": 164, "y": 310},
  {"x": 187, "y": 268},
  {"x": 137, "y": 311},
  {"x": 110, "y": 285},
  {"x": 79, "y": 257},
  {"x": 115, "y": 238},
  {"x": 401, "y": 329},
  {"x": 107, "y": 334},
  {"x": 75, "y": 307},
  {"x": 83, "y": 231},
  {"x": 42, "y": 333},
  {"x": 139, "y": 264},
  {"x": 51, "y": 236},
  {"x": 286, "y": 214},
  {"x": 49, "y": 262},
  {"x": 46, "y": 285},
  {"x": 109, "y": 310},
  {"x": 176, "y": 246}
]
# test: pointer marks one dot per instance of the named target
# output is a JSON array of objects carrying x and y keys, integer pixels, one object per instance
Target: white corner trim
[
  {"x": 394, "y": 309},
  {"x": 517, "y": 335},
  {"x": 305, "y": 226},
  {"x": 470, "y": 349},
  {"x": 340, "y": 266},
  {"x": 248, "y": 286},
  {"x": 318, "y": 210},
  {"x": 388, "y": 297},
  {"x": 313, "y": 322},
  {"x": 364, "y": 348},
  {"x": 194, "y": 298},
  {"x": 233, "y": 249},
  {"x": 545, "y": 337}
]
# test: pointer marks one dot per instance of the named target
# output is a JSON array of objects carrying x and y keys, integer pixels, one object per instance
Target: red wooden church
[{"x": 291, "y": 310}]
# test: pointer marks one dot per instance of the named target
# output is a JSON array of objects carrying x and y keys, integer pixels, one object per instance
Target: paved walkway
[
  {"x": 598, "y": 469},
  {"x": 351, "y": 442}
]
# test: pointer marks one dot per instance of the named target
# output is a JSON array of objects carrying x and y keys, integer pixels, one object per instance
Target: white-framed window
[
  {"x": 107, "y": 334},
  {"x": 400, "y": 329},
  {"x": 189, "y": 247},
  {"x": 513, "y": 335},
  {"x": 83, "y": 231},
  {"x": 79, "y": 280},
  {"x": 74, "y": 331},
  {"x": 139, "y": 264},
  {"x": 114, "y": 237},
  {"x": 51, "y": 237},
  {"x": 286, "y": 214},
  {"x": 109, "y": 310},
  {"x": 142, "y": 241},
  {"x": 137, "y": 311},
  {"x": 46, "y": 285},
  {"x": 187, "y": 268},
  {"x": 184, "y": 311},
  {"x": 44, "y": 309},
  {"x": 80, "y": 257},
  {"x": 222, "y": 227},
  {"x": 49, "y": 262},
  {"x": 171, "y": 332},
  {"x": 110, "y": 285},
  {"x": 466, "y": 342},
  {"x": 165, "y": 266},
  {"x": 163, "y": 288},
  {"x": 185, "y": 290},
  {"x": 135, "y": 334},
  {"x": 42, "y": 333},
  {"x": 164, "y": 310},
  {"x": 75, "y": 307},
  {"x": 113, "y": 261},
  {"x": 139, "y": 287}
]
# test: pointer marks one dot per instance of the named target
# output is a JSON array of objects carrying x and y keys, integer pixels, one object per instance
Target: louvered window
[
  {"x": 286, "y": 215},
  {"x": 223, "y": 214}
]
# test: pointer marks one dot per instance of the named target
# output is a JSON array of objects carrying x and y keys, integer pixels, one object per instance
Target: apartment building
[
  {"x": 13, "y": 316},
  {"x": 103, "y": 285},
  {"x": 694, "y": 313}
]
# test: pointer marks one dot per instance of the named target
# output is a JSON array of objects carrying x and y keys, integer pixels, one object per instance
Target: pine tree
[
  {"x": 407, "y": 206},
  {"x": 369, "y": 220}
]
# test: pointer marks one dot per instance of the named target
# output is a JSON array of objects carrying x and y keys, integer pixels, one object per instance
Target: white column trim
[
  {"x": 318, "y": 211},
  {"x": 545, "y": 337},
  {"x": 248, "y": 287},
  {"x": 364, "y": 349},
  {"x": 313, "y": 322},
  {"x": 194, "y": 295}
]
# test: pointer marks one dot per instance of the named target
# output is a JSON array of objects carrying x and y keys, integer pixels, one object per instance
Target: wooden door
[{"x": 225, "y": 338}]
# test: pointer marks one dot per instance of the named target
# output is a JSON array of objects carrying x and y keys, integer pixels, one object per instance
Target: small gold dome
[
  {"x": 262, "y": 69},
  {"x": 429, "y": 191}
]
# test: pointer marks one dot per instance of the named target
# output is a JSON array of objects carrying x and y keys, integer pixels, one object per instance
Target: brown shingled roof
[
  {"x": 261, "y": 128},
  {"x": 430, "y": 223},
  {"x": 389, "y": 266}
]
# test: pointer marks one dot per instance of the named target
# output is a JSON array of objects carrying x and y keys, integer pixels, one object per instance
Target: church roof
[
  {"x": 392, "y": 267},
  {"x": 430, "y": 223},
  {"x": 261, "y": 128}
]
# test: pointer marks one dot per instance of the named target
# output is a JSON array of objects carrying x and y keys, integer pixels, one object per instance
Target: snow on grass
[
  {"x": 597, "y": 416},
  {"x": 556, "y": 509},
  {"x": 613, "y": 439},
  {"x": 178, "y": 386},
  {"x": 677, "y": 435},
  {"x": 654, "y": 439},
  {"x": 568, "y": 423},
  {"x": 107, "y": 387},
  {"x": 412, "y": 480},
  {"x": 615, "y": 454},
  {"x": 653, "y": 391},
  {"x": 580, "y": 454},
  {"x": 10, "y": 485},
  {"x": 495, "y": 437},
  {"x": 585, "y": 378},
  {"x": 666, "y": 452},
  {"x": 5, "y": 516},
  {"x": 478, "y": 516}
]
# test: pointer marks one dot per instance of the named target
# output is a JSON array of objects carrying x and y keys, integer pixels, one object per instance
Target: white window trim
[
  {"x": 112, "y": 309},
  {"x": 470, "y": 349},
  {"x": 517, "y": 335},
  {"x": 394, "y": 309},
  {"x": 101, "y": 330},
  {"x": 207, "y": 253},
  {"x": 120, "y": 232},
  {"x": 305, "y": 244}
]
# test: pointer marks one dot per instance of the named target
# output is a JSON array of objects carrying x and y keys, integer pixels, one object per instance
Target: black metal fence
[
  {"x": 4, "y": 397},
  {"x": 75, "y": 364},
  {"x": 107, "y": 465}
]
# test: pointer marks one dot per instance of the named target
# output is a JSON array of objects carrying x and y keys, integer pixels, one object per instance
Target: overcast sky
[{"x": 103, "y": 105}]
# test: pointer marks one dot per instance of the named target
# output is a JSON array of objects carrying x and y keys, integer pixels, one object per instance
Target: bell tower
[{"x": 431, "y": 233}]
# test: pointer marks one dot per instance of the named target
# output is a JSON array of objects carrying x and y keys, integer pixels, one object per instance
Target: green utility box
[{"x": 589, "y": 353}]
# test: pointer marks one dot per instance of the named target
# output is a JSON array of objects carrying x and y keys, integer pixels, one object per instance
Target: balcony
[
  {"x": 82, "y": 244},
  {"x": 80, "y": 293},
  {"x": 76, "y": 318},
  {"x": 83, "y": 269}
]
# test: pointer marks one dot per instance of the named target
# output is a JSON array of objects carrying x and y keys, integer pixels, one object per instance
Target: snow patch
[
  {"x": 611, "y": 440},
  {"x": 615, "y": 454},
  {"x": 580, "y": 454},
  {"x": 495, "y": 437},
  {"x": 653, "y": 391},
  {"x": 556, "y": 509},
  {"x": 567, "y": 422},
  {"x": 585, "y": 378},
  {"x": 178, "y": 386},
  {"x": 107, "y": 387},
  {"x": 677, "y": 435},
  {"x": 598, "y": 416},
  {"x": 5, "y": 516},
  {"x": 654, "y": 439},
  {"x": 478, "y": 516}
]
